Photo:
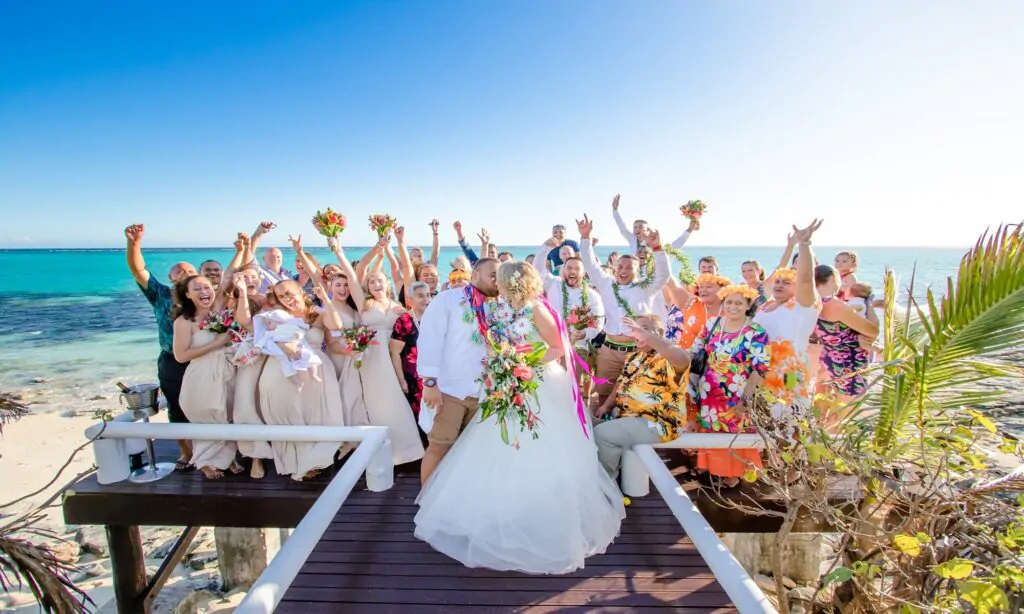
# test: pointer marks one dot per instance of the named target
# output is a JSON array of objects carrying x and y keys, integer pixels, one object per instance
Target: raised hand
[
  {"x": 552, "y": 243},
  {"x": 238, "y": 281},
  {"x": 635, "y": 329},
  {"x": 296, "y": 243},
  {"x": 332, "y": 243},
  {"x": 694, "y": 225},
  {"x": 400, "y": 234},
  {"x": 321, "y": 294},
  {"x": 434, "y": 225},
  {"x": 265, "y": 227},
  {"x": 239, "y": 245},
  {"x": 383, "y": 242},
  {"x": 585, "y": 226},
  {"x": 134, "y": 232},
  {"x": 803, "y": 235},
  {"x": 245, "y": 239},
  {"x": 485, "y": 237},
  {"x": 615, "y": 203},
  {"x": 652, "y": 238}
]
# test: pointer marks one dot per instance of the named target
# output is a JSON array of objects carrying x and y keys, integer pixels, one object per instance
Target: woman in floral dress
[
  {"x": 738, "y": 357},
  {"x": 839, "y": 331}
]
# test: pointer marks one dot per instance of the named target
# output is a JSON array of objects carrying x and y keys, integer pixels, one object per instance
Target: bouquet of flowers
[
  {"x": 218, "y": 322},
  {"x": 359, "y": 339},
  {"x": 693, "y": 210},
  {"x": 382, "y": 224},
  {"x": 511, "y": 376},
  {"x": 329, "y": 223},
  {"x": 582, "y": 318}
]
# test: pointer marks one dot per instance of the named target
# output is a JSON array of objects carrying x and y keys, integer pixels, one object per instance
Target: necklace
[{"x": 623, "y": 304}]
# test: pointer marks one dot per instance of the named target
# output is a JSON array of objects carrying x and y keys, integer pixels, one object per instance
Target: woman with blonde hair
[
  {"x": 385, "y": 402},
  {"x": 541, "y": 504}
]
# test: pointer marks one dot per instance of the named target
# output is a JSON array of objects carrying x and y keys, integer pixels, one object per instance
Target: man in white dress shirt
[
  {"x": 570, "y": 284},
  {"x": 450, "y": 353},
  {"x": 623, "y": 296}
]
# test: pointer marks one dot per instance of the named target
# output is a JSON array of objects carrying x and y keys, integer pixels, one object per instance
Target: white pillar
[
  {"x": 112, "y": 462},
  {"x": 380, "y": 471}
]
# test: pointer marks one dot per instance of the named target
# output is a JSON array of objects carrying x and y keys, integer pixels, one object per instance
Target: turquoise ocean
[{"x": 72, "y": 322}]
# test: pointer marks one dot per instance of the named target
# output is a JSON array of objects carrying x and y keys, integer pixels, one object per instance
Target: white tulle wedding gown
[{"x": 542, "y": 508}]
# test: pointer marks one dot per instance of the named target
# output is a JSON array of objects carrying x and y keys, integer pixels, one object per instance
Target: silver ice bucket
[{"x": 141, "y": 396}]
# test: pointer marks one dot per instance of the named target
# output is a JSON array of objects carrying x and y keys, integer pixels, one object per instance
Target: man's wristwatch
[{"x": 430, "y": 382}]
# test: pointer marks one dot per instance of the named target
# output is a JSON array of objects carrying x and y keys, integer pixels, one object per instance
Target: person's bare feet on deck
[
  {"x": 212, "y": 474},
  {"x": 257, "y": 469}
]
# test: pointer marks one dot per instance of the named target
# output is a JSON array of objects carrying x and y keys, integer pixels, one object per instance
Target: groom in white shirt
[{"x": 450, "y": 353}]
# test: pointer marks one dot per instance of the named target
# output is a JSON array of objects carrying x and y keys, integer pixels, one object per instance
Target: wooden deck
[{"x": 369, "y": 562}]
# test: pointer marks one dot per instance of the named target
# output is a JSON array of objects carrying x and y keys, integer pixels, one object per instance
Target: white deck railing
[
  {"x": 635, "y": 480},
  {"x": 741, "y": 588},
  {"x": 270, "y": 587}
]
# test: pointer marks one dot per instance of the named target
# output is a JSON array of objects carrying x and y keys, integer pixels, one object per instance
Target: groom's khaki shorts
[{"x": 451, "y": 419}]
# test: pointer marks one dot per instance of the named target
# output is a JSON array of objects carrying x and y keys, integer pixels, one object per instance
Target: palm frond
[
  {"x": 23, "y": 562},
  {"x": 935, "y": 358},
  {"x": 11, "y": 409}
]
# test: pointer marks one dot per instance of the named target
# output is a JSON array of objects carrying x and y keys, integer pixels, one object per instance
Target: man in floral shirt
[{"x": 648, "y": 398}]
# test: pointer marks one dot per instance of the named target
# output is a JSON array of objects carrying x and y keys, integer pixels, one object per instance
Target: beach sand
[{"x": 31, "y": 452}]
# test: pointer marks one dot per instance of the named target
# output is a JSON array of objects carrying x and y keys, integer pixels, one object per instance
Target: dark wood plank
[
  {"x": 300, "y": 607},
  {"x": 454, "y": 569},
  {"x": 488, "y": 598},
  {"x": 506, "y": 581}
]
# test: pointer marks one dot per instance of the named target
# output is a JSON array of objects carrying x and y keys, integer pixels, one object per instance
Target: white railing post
[
  {"x": 112, "y": 462},
  {"x": 270, "y": 587},
  {"x": 380, "y": 471},
  {"x": 633, "y": 476},
  {"x": 741, "y": 588}
]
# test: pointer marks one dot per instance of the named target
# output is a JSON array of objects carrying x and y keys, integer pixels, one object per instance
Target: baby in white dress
[{"x": 274, "y": 328}]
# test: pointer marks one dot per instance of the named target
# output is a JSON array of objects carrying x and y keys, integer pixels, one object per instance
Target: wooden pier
[{"x": 369, "y": 561}]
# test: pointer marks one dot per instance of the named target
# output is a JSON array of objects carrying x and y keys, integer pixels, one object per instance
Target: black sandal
[{"x": 181, "y": 465}]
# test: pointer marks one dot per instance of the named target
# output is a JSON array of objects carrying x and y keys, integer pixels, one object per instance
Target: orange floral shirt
[{"x": 789, "y": 326}]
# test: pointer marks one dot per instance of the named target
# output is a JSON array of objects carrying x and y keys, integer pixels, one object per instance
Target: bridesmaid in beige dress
[
  {"x": 209, "y": 380},
  {"x": 385, "y": 403},
  {"x": 316, "y": 402},
  {"x": 348, "y": 305}
]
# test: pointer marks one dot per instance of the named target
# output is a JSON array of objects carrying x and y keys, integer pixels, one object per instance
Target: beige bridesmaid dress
[
  {"x": 317, "y": 403},
  {"x": 246, "y": 408},
  {"x": 206, "y": 394},
  {"x": 350, "y": 380}
]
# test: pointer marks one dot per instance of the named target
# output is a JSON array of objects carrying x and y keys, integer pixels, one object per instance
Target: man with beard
[
  {"x": 624, "y": 296},
  {"x": 557, "y": 256},
  {"x": 450, "y": 353},
  {"x": 569, "y": 291}
]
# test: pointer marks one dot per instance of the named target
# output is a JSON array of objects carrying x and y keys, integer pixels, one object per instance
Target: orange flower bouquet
[
  {"x": 694, "y": 210},
  {"x": 329, "y": 223}
]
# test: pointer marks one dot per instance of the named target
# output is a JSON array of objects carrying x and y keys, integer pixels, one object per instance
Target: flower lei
[
  {"x": 686, "y": 275},
  {"x": 623, "y": 304},
  {"x": 584, "y": 298}
]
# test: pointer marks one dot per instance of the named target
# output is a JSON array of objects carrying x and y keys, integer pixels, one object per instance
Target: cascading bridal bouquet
[
  {"x": 218, "y": 322},
  {"x": 329, "y": 223},
  {"x": 512, "y": 374},
  {"x": 693, "y": 210},
  {"x": 359, "y": 339},
  {"x": 382, "y": 224}
]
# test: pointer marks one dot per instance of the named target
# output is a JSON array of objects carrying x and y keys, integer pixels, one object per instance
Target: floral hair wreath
[
  {"x": 785, "y": 274},
  {"x": 742, "y": 289},
  {"x": 458, "y": 276},
  {"x": 710, "y": 278}
]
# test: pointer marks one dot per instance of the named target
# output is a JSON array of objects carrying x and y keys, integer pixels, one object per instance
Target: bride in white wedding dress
[{"x": 542, "y": 507}]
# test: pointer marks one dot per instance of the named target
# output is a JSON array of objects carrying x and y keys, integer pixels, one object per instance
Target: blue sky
[{"x": 899, "y": 123}]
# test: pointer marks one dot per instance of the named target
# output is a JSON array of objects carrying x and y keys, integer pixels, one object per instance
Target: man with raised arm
[
  {"x": 624, "y": 296},
  {"x": 272, "y": 270},
  {"x": 169, "y": 371},
  {"x": 636, "y": 238},
  {"x": 570, "y": 291}
]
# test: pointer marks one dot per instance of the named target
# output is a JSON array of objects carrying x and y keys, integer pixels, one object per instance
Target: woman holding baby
[{"x": 298, "y": 384}]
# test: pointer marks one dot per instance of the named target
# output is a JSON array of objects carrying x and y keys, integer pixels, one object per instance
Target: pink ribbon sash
[{"x": 570, "y": 366}]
